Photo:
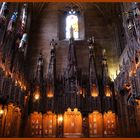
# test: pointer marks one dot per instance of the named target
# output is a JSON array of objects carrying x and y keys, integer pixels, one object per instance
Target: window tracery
[{"x": 72, "y": 21}]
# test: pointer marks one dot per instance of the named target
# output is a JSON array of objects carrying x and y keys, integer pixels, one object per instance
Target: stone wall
[{"x": 95, "y": 23}]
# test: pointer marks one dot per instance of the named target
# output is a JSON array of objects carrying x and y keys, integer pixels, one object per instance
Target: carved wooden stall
[
  {"x": 127, "y": 81},
  {"x": 74, "y": 103},
  {"x": 49, "y": 124},
  {"x": 95, "y": 124},
  {"x": 72, "y": 123}
]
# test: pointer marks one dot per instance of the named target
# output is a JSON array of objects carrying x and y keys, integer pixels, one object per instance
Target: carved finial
[
  {"x": 91, "y": 42},
  {"x": 71, "y": 32},
  {"x": 103, "y": 52},
  {"x": 53, "y": 44},
  {"x": 123, "y": 62},
  {"x": 25, "y": 4},
  {"x": 120, "y": 68},
  {"x": 104, "y": 59},
  {"x": 116, "y": 72},
  {"x": 93, "y": 39},
  {"x": 40, "y": 59}
]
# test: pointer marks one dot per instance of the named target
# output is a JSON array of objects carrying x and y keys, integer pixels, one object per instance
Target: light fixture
[
  {"x": 107, "y": 91},
  {"x": 94, "y": 120},
  {"x": 36, "y": 96},
  {"x": 60, "y": 118},
  {"x": 94, "y": 91},
  {"x": 72, "y": 12},
  {"x": 50, "y": 93},
  {"x": 1, "y": 111}
]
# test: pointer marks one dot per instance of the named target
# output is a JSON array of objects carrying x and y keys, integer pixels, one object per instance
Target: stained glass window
[{"x": 72, "y": 21}]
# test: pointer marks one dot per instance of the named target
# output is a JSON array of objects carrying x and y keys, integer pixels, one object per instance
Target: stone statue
[
  {"x": 12, "y": 22},
  {"x": 3, "y": 10},
  {"x": 23, "y": 41},
  {"x": 53, "y": 44},
  {"x": 24, "y": 15},
  {"x": 40, "y": 60},
  {"x": 104, "y": 60},
  {"x": 91, "y": 42}
]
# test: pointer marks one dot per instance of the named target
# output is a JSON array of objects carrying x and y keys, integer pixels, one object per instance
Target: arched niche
[
  {"x": 49, "y": 124},
  {"x": 110, "y": 124},
  {"x": 95, "y": 124},
  {"x": 72, "y": 123}
]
